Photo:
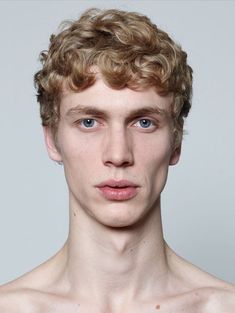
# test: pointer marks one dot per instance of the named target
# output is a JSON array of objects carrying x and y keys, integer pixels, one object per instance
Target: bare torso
[
  {"x": 204, "y": 300},
  {"x": 197, "y": 293}
]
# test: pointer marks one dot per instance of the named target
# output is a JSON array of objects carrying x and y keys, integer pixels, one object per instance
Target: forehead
[{"x": 103, "y": 97}]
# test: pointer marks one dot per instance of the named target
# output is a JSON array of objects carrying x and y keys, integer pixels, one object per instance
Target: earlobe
[
  {"x": 52, "y": 150},
  {"x": 175, "y": 156}
]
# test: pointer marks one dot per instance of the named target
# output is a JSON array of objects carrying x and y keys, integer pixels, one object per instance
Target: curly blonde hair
[{"x": 129, "y": 50}]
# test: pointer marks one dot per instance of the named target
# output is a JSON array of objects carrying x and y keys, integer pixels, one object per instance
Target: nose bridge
[{"x": 117, "y": 148}]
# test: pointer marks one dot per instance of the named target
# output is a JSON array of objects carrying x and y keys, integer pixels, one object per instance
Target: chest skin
[{"x": 193, "y": 302}]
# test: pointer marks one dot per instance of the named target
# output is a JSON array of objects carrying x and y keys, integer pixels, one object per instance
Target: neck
[{"x": 103, "y": 260}]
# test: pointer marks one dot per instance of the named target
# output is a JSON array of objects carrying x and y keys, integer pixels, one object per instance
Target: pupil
[
  {"x": 145, "y": 123},
  {"x": 88, "y": 122}
]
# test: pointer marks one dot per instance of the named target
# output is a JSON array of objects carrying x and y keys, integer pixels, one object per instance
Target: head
[
  {"x": 114, "y": 91},
  {"x": 129, "y": 51}
]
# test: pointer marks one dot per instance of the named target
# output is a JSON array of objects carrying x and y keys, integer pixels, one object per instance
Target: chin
[
  {"x": 119, "y": 225},
  {"x": 120, "y": 217}
]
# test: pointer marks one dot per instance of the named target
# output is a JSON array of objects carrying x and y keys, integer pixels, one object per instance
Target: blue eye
[
  {"x": 145, "y": 123},
  {"x": 88, "y": 122}
]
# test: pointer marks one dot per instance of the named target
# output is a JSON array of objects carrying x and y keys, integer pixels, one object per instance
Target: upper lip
[{"x": 117, "y": 183}]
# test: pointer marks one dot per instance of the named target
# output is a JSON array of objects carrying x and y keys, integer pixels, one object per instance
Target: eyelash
[
  {"x": 153, "y": 123},
  {"x": 86, "y": 119}
]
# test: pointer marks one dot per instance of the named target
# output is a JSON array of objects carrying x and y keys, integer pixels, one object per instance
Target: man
[{"x": 114, "y": 91}]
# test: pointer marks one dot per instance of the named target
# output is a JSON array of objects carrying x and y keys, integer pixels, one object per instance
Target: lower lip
[{"x": 118, "y": 194}]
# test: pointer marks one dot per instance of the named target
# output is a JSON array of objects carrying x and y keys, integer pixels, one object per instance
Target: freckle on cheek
[{"x": 158, "y": 306}]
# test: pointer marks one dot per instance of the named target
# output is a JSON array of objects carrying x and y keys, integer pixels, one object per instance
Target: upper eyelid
[
  {"x": 79, "y": 123},
  {"x": 153, "y": 120},
  {"x": 129, "y": 121},
  {"x": 154, "y": 124},
  {"x": 151, "y": 116},
  {"x": 80, "y": 119},
  {"x": 85, "y": 118}
]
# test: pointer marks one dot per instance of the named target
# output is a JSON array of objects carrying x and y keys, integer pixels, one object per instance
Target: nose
[{"x": 117, "y": 148}]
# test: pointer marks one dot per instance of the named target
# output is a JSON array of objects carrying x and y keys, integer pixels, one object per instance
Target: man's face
[{"x": 116, "y": 146}]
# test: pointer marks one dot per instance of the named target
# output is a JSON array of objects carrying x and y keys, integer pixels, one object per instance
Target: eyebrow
[{"x": 91, "y": 110}]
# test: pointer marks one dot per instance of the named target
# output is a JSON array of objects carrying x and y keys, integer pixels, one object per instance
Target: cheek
[
  {"x": 76, "y": 148},
  {"x": 79, "y": 155},
  {"x": 155, "y": 151},
  {"x": 154, "y": 158}
]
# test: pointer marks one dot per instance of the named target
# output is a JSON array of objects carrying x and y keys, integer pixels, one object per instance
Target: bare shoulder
[
  {"x": 20, "y": 295},
  {"x": 202, "y": 290},
  {"x": 221, "y": 300},
  {"x": 218, "y": 295},
  {"x": 15, "y": 301},
  {"x": 211, "y": 299},
  {"x": 24, "y": 300},
  {"x": 28, "y": 300},
  {"x": 29, "y": 292}
]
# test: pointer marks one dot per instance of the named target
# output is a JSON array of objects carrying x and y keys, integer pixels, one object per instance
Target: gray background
[{"x": 198, "y": 203}]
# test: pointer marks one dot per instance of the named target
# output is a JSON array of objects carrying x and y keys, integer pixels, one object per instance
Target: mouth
[{"x": 118, "y": 190}]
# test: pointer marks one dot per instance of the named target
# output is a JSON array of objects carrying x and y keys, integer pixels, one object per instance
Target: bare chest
[{"x": 156, "y": 307}]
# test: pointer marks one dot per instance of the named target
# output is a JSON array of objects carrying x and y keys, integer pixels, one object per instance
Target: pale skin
[{"x": 115, "y": 259}]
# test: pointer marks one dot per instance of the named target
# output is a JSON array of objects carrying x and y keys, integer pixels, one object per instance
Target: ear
[
  {"x": 175, "y": 155},
  {"x": 52, "y": 150}
]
